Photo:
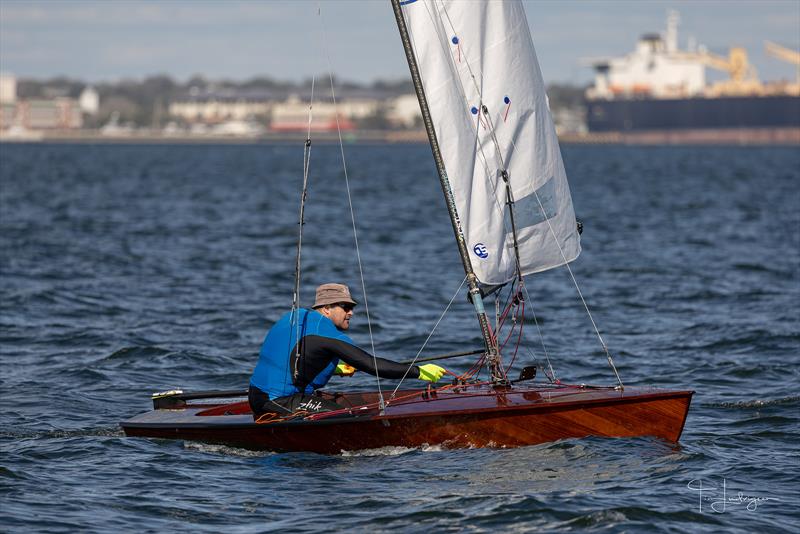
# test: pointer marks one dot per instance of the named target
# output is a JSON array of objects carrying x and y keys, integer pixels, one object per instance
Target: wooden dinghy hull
[{"x": 469, "y": 417}]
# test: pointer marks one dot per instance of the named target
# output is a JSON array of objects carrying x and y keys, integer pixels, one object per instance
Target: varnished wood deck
[{"x": 475, "y": 417}]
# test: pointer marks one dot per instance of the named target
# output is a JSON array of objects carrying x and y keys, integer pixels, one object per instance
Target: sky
[{"x": 108, "y": 40}]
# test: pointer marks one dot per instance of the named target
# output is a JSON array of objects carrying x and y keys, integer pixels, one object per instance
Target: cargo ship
[{"x": 659, "y": 87}]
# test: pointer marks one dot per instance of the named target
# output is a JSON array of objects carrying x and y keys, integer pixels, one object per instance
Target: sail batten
[{"x": 479, "y": 66}]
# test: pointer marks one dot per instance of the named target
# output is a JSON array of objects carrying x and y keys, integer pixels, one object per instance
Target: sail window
[{"x": 528, "y": 212}]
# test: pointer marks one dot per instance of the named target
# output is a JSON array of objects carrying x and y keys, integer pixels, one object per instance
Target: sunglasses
[{"x": 345, "y": 306}]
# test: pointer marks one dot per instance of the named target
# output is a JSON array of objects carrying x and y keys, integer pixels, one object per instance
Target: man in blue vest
[{"x": 306, "y": 347}]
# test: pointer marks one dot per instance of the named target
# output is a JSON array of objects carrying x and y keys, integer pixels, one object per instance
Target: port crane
[
  {"x": 743, "y": 75},
  {"x": 788, "y": 55}
]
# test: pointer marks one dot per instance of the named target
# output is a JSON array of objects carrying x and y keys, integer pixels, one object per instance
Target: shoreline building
[
  {"x": 89, "y": 101},
  {"x": 61, "y": 113},
  {"x": 32, "y": 114},
  {"x": 292, "y": 115},
  {"x": 403, "y": 112},
  {"x": 289, "y": 113},
  {"x": 215, "y": 109}
]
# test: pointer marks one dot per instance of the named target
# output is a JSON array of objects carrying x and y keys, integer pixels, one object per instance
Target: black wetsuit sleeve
[{"x": 364, "y": 361}]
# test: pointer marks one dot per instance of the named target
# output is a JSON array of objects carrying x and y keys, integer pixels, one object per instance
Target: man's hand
[
  {"x": 344, "y": 370},
  {"x": 431, "y": 372}
]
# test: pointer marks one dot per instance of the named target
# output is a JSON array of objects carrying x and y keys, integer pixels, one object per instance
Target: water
[{"x": 132, "y": 269}]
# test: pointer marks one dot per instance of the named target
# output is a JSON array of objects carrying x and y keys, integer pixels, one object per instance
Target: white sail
[{"x": 473, "y": 54}]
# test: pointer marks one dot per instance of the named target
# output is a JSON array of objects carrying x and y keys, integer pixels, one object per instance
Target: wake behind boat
[{"x": 485, "y": 111}]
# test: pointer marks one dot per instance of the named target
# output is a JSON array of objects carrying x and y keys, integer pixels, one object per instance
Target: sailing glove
[
  {"x": 431, "y": 372},
  {"x": 344, "y": 370}
]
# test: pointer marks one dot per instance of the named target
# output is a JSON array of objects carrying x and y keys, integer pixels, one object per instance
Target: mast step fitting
[{"x": 501, "y": 384}]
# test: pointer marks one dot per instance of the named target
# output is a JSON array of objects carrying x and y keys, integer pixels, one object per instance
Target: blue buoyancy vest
[{"x": 272, "y": 374}]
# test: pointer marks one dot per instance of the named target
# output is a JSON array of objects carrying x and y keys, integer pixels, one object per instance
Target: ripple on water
[{"x": 142, "y": 268}]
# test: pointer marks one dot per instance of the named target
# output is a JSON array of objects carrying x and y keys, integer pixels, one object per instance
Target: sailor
[{"x": 290, "y": 371}]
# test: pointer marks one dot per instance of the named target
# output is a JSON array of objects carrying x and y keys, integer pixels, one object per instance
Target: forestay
[{"x": 476, "y": 54}]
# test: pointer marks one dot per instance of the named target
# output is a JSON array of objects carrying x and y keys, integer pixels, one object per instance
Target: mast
[
  {"x": 492, "y": 352},
  {"x": 303, "y": 195},
  {"x": 306, "y": 167}
]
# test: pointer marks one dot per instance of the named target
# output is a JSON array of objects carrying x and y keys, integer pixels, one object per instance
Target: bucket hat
[{"x": 332, "y": 294}]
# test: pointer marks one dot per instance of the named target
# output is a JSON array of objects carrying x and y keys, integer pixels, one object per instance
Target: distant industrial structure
[
  {"x": 656, "y": 68},
  {"x": 661, "y": 87}
]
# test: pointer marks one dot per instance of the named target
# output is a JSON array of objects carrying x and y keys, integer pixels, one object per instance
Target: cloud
[
  {"x": 128, "y": 13},
  {"x": 240, "y": 39}
]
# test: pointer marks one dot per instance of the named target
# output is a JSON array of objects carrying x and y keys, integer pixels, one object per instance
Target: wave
[
  {"x": 225, "y": 450},
  {"x": 747, "y": 341},
  {"x": 631, "y": 515},
  {"x": 9, "y": 474},
  {"x": 754, "y": 404},
  {"x": 151, "y": 355},
  {"x": 135, "y": 352},
  {"x": 109, "y": 431},
  {"x": 773, "y": 422},
  {"x": 392, "y": 451}
]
